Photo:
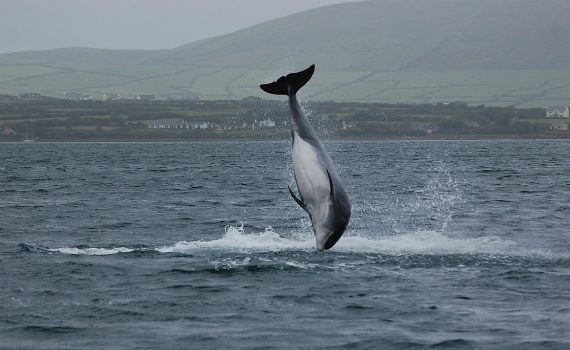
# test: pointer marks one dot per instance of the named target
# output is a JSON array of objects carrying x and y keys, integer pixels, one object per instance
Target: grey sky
[{"x": 135, "y": 24}]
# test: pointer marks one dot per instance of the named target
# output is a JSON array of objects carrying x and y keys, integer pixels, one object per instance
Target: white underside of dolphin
[{"x": 321, "y": 193}]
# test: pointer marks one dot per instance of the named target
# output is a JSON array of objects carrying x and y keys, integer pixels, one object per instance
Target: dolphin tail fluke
[{"x": 289, "y": 84}]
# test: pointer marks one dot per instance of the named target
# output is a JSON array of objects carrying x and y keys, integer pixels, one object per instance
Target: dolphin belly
[{"x": 310, "y": 175}]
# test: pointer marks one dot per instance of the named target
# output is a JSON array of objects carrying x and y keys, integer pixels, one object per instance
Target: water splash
[
  {"x": 90, "y": 251},
  {"x": 236, "y": 240},
  {"x": 443, "y": 193},
  {"x": 427, "y": 203},
  {"x": 423, "y": 242}
]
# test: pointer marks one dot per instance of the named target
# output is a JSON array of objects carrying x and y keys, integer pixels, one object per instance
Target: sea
[{"x": 451, "y": 245}]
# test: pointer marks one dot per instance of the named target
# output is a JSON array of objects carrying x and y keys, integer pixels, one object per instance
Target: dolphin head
[{"x": 329, "y": 224}]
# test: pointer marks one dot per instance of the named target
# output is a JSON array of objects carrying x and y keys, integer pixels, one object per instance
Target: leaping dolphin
[{"x": 321, "y": 193}]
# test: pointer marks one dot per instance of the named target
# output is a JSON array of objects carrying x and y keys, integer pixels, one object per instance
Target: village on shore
[{"x": 78, "y": 117}]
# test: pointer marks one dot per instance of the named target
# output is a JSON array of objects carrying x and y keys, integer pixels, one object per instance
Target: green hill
[{"x": 508, "y": 52}]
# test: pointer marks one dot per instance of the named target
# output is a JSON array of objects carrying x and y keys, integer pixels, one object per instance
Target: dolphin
[{"x": 321, "y": 193}]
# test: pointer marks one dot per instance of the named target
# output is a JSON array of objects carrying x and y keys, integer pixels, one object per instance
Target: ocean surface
[{"x": 452, "y": 244}]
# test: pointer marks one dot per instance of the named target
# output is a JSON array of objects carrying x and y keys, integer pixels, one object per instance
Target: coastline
[{"x": 442, "y": 137}]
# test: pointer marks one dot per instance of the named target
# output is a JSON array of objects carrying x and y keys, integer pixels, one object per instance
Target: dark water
[{"x": 177, "y": 246}]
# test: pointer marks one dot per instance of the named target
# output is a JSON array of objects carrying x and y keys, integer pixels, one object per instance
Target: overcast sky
[{"x": 132, "y": 24}]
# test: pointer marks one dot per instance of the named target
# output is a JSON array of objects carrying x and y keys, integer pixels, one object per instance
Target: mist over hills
[{"x": 485, "y": 51}]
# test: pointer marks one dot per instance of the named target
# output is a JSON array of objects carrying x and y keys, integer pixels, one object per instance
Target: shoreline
[{"x": 364, "y": 139}]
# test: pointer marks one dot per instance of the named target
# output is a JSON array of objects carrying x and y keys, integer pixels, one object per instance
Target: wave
[{"x": 237, "y": 240}]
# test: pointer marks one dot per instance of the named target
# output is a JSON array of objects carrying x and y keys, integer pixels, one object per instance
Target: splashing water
[
  {"x": 237, "y": 240},
  {"x": 90, "y": 251}
]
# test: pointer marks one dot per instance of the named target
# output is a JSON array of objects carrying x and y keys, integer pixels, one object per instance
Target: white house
[
  {"x": 177, "y": 124},
  {"x": 111, "y": 96},
  {"x": 268, "y": 123},
  {"x": 199, "y": 125},
  {"x": 76, "y": 96},
  {"x": 167, "y": 124},
  {"x": 557, "y": 112}
]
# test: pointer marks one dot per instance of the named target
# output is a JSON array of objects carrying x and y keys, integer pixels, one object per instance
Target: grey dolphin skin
[{"x": 321, "y": 193}]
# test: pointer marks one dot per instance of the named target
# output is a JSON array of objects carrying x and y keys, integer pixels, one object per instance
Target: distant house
[
  {"x": 199, "y": 125},
  {"x": 267, "y": 123},
  {"x": 558, "y": 126},
  {"x": 72, "y": 95},
  {"x": 30, "y": 96},
  {"x": 557, "y": 112},
  {"x": 76, "y": 96},
  {"x": 111, "y": 96},
  {"x": 168, "y": 124},
  {"x": 8, "y": 131},
  {"x": 177, "y": 124},
  {"x": 146, "y": 97}
]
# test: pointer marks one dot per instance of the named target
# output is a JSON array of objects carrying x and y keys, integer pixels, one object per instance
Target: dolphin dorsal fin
[
  {"x": 331, "y": 186},
  {"x": 300, "y": 202}
]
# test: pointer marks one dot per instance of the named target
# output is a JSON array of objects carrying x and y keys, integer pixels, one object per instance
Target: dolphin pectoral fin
[
  {"x": 300, "y": 202},
  {"x": 331, "y": 186}
]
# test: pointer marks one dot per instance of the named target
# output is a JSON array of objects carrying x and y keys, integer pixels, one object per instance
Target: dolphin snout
[
  {"x": 322, "y": 237},
  {"x": 327, "y": 237},
  {"x": 326, "y": 241}
]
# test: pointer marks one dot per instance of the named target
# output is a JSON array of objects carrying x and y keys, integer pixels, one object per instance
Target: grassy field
[{"x": 520, "y": 88}]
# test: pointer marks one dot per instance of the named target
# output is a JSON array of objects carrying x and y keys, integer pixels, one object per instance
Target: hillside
[
  {"x": 509, "y": 52},
  {"x": 395, "y": 35}
]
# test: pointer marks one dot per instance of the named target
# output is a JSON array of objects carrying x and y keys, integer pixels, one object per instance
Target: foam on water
[
  {"x": 423, "y": 242},
  {"x": 427, "y": 242},
  {"x": 90, "y": 251},
  {"x": 236, "y": 239}
]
